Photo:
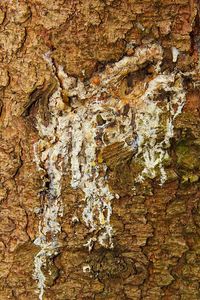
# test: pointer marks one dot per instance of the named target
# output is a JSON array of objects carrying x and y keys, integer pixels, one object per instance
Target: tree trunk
[{"x": 100, "y": 149}]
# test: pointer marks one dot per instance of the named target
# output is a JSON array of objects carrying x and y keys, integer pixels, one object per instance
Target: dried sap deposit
[{"x": 102, "y": 113}]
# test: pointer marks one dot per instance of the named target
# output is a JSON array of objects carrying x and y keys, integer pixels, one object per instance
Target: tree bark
[{"x": 100, "y": 149}]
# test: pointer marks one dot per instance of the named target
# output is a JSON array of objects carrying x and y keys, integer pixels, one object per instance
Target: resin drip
[
  {"x": 51, "y": 157},
  {"x": 95, "y": 119},
  {"x": 155, "y": 123}
]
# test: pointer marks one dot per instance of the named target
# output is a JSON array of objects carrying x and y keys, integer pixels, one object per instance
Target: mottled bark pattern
[{"x": 156, "y": 229}]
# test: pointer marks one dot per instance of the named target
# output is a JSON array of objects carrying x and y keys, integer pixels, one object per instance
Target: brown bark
[{"x": 153, "y": 249}]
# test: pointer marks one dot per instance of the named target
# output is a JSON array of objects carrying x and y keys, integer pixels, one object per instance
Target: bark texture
[{"x": 100, "y": 149}]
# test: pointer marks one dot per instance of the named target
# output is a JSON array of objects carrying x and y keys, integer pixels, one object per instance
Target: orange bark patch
[{"x": 193, "y": 101}]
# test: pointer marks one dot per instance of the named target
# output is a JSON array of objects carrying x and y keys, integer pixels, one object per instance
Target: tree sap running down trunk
[{"x": 83, "y": 131}]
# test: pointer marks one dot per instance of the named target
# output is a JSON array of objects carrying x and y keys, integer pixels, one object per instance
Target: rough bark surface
[{"x": 100, "y": 149}]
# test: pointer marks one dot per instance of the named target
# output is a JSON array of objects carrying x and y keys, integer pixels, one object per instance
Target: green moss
[
  {"x": 188, "y": 156},
  {"x": 189, "y": 178}
]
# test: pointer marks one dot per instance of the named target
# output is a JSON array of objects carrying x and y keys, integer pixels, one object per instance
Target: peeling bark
[{"x": 99, "y": 153}]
